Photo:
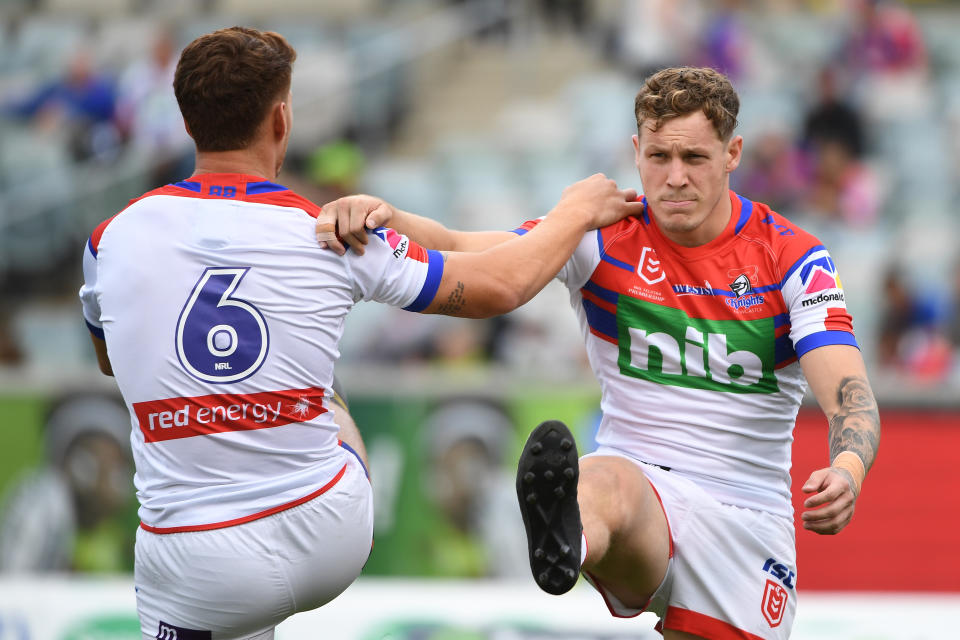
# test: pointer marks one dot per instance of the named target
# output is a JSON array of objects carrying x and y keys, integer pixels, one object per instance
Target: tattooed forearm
[
  {"x": 454, "y": 303},
  {"x": 856, "y": 427}
]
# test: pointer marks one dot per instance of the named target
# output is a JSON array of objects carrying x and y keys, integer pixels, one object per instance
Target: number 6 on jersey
[{"x": 220, "y": 338}]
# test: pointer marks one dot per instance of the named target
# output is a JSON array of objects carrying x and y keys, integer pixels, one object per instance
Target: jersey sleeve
[
  {"x": 396, "y": 271},
  {"x": 816, "y": 303},
  {"x": 90, "y": 305},
  {"x": 575, "y": 271}
]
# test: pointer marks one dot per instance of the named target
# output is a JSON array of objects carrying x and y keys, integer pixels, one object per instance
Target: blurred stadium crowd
[{"x": 478, "y": 113}]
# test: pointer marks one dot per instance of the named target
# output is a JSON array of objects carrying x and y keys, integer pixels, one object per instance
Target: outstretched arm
[
  {"x": 505, "y": 276},
  {"x": 838, "y": 379},
  {"x": 345, "y": 222}
]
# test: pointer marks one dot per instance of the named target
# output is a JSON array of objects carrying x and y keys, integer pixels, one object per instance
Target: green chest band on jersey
[{"x": 666, "y": 346}]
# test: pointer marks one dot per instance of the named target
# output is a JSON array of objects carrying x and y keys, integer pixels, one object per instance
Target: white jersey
[
  {"x": 222, "y": 317},
  {"x": 696, "y": 349}
]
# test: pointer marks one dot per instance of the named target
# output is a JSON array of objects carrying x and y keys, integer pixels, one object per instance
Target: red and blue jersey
[
  {"x": 696, "y": 348},
  {"x": 222, "y": 318}
]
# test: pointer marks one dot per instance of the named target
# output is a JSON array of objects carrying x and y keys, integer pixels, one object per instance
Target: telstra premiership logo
[{"x": 665, "y": 345}]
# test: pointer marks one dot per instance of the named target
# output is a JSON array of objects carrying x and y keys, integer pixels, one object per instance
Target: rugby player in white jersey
[
  {"x": 702, "y": 318},
  {"x": 212, "y": 305}
]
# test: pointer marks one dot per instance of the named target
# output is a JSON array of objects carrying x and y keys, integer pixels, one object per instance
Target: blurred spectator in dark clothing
[
  {"x": 833, "y": 118},
  {"x": 82, "y": 102},
  {"x": 842, "y": 186},
  {"x": 910, "y": 341}
]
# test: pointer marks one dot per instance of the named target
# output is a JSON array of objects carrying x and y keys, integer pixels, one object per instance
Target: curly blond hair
[{"x": 679, "y": 91}]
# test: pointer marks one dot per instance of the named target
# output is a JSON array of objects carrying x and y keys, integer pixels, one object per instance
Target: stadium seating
[{"x": 470, "y": 130}]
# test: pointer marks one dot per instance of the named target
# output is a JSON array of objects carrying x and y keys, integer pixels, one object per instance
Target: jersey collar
[{"x": 221, "y": 185}]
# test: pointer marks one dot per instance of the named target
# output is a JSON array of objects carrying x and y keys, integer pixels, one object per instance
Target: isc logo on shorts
[
  {"x": 168, "y": 631},
  {"x": 775, "y": 596}
]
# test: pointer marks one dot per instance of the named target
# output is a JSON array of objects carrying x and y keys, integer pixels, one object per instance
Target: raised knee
[{"x": 614, "y": 482}]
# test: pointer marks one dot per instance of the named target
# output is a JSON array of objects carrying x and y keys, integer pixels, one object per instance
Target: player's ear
[
  {"x": 734, "y": 153},
  {"x": 279, "y": 119},
  {"x": 636, "y": 150}
]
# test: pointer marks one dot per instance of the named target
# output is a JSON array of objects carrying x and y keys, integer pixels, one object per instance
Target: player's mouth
[{"x": 677, "y": 203}]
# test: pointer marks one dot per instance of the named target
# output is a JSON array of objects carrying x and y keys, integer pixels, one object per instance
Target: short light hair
[
  {"x": 226, "y": 81},
  {"x": 679, "y": 91}
]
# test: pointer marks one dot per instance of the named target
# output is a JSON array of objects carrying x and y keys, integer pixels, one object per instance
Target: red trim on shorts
[
  {"x": 603, "y": 594},
  {"x": 665, "y": 517},
  {"x": 599, "y": 585},
  {"x": 252, "y": 517},
  {"x": 703, "y": 625}
]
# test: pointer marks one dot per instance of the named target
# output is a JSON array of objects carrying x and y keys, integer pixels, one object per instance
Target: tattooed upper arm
[
  {"x": 455, "y": 301},
  {"x": 856, "y": 425}
]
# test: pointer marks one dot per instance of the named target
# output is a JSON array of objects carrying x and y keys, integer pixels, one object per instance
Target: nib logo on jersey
[
  {"x": 820, "y": 277},
  {"x": 666, "y": 346}
]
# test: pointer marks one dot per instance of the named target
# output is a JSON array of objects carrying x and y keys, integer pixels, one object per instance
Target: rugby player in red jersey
[{"x": 704, "y": 318}]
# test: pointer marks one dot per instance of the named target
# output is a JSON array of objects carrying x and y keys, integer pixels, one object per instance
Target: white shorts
[
  {"x": 732, "y": 572},
  {"x": 241, "y": 581}
]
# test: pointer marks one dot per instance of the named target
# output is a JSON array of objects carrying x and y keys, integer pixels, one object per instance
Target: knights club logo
[
  {"x": 774, "y": 603},
  {"x": 649, "y": 267},
  {"x": 741, "y": 286},
  {"x": 744, "y": 277}
]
